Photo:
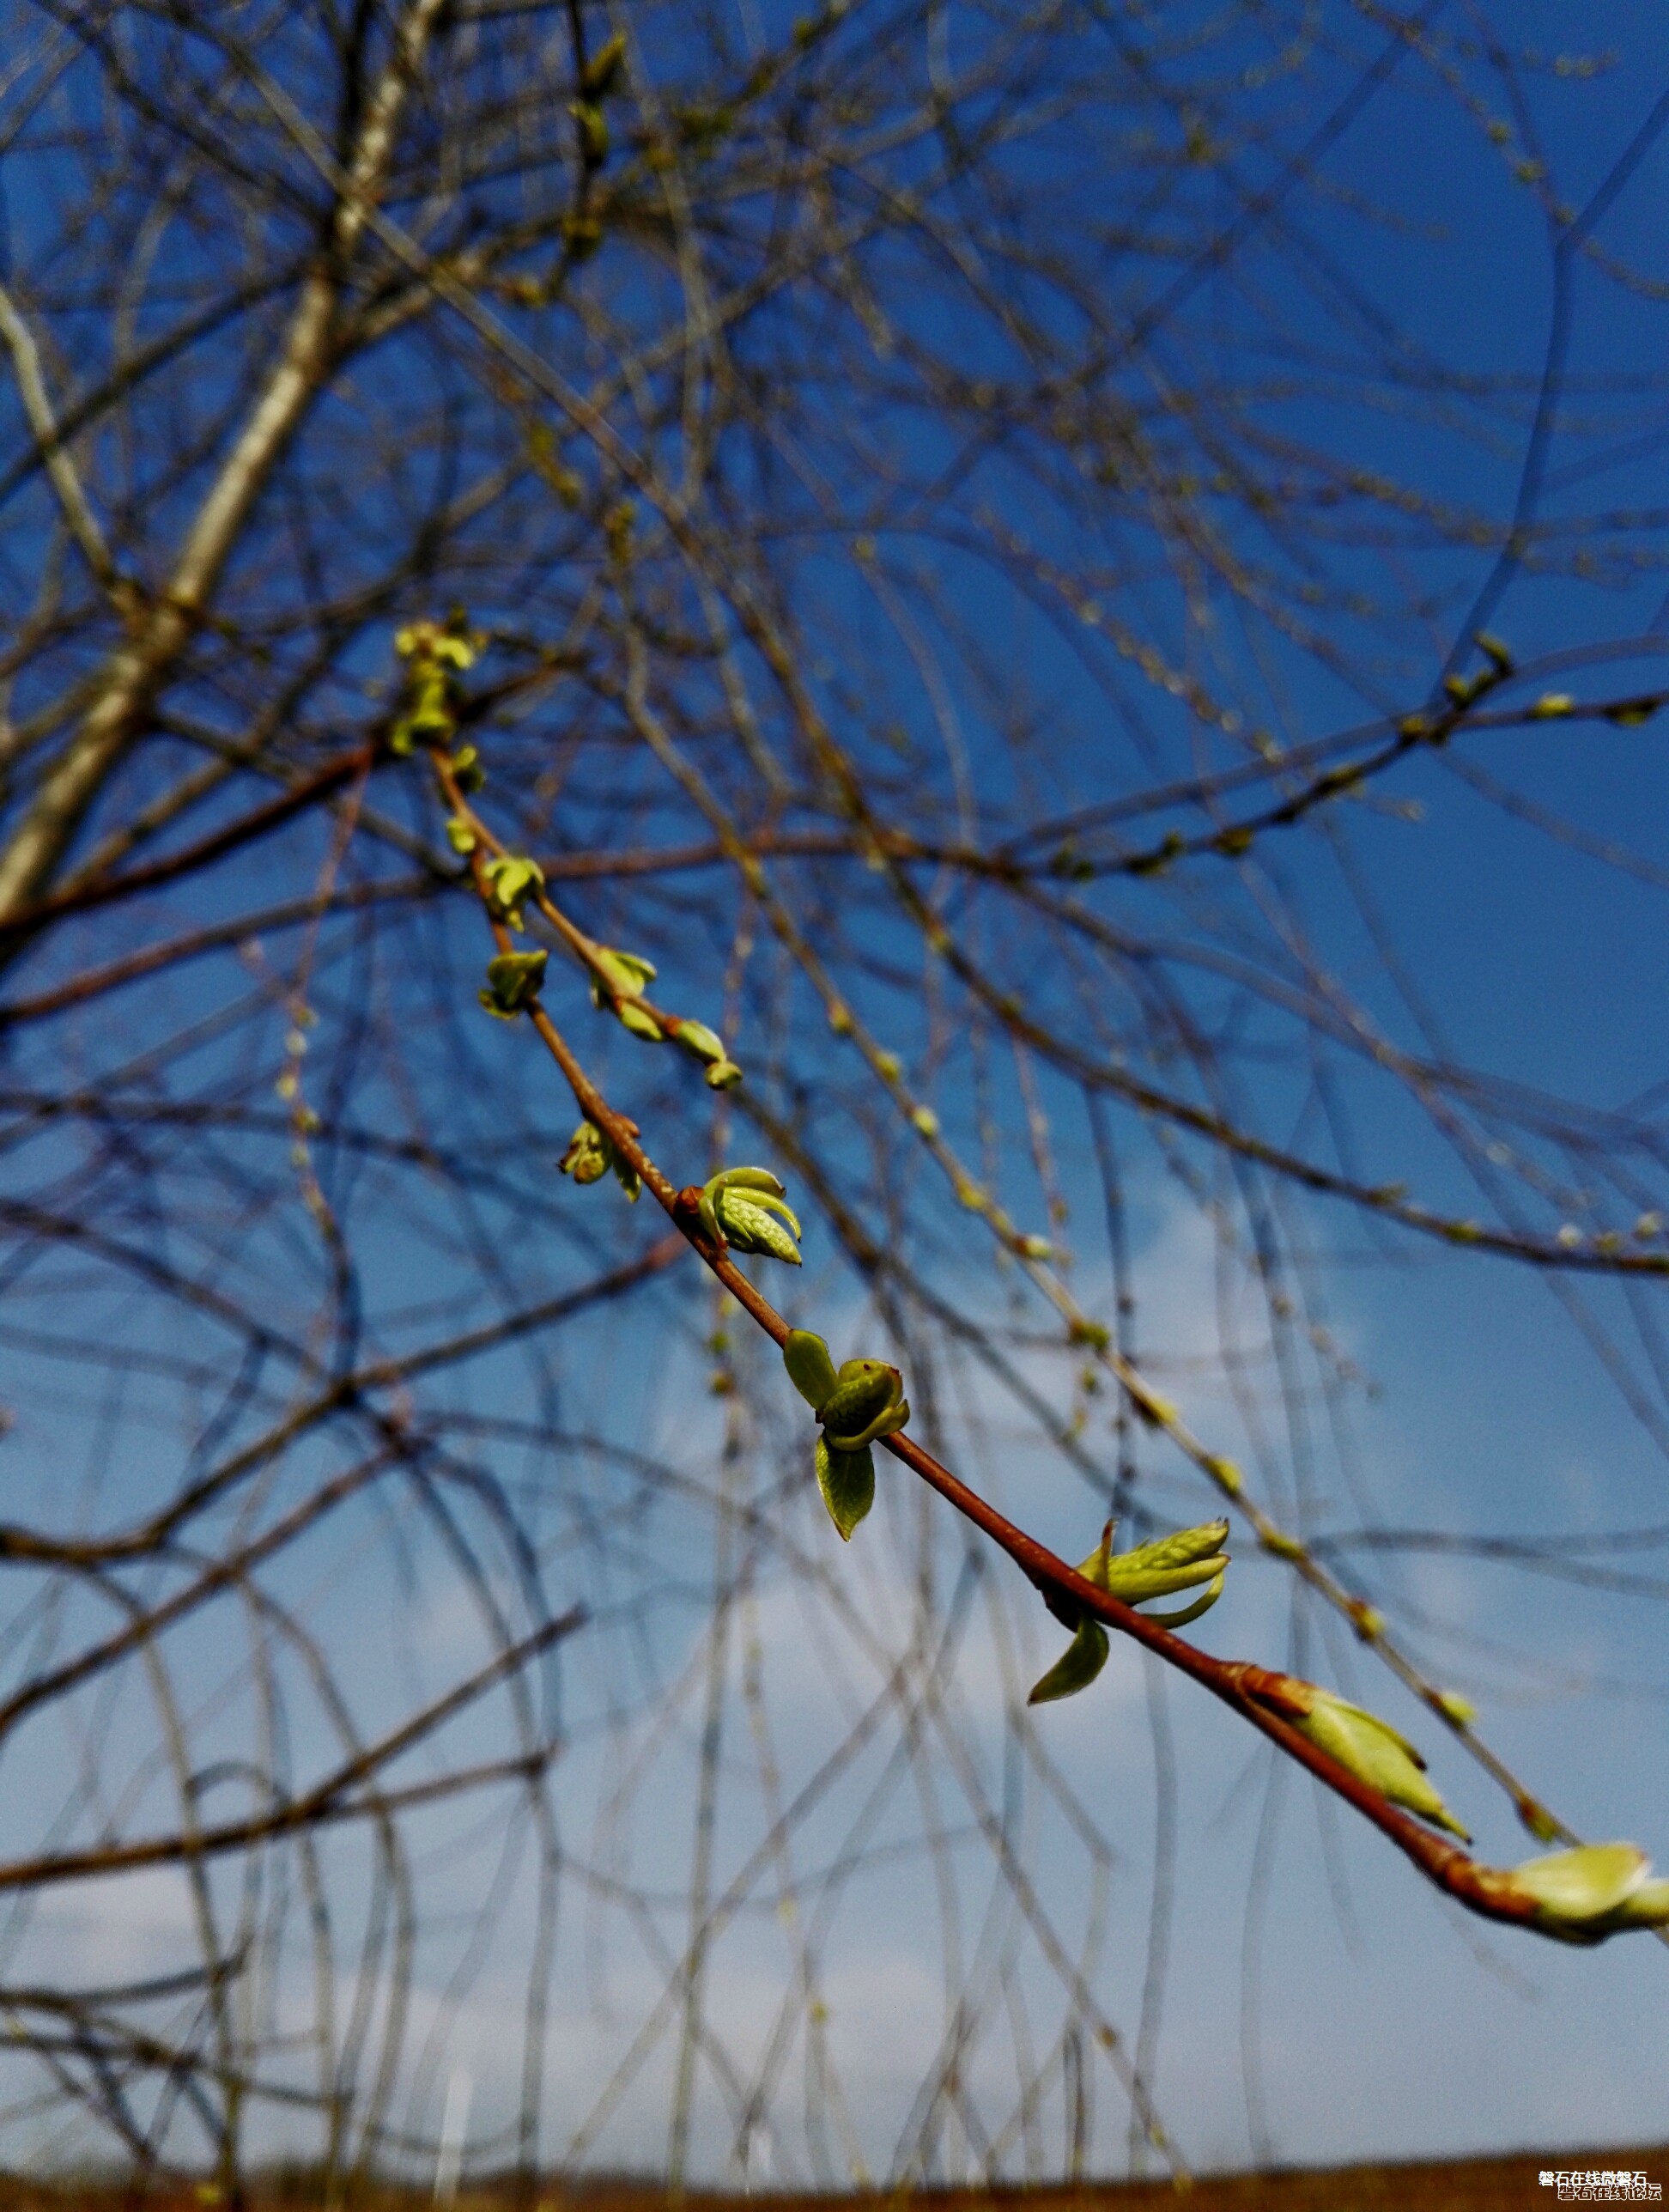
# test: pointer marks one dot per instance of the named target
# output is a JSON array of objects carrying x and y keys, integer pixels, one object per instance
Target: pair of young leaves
[
  {"x": 1364, "y": 1745},
  {"x": 1160, "y": 1568},
  {"x": 857, "y": 1404}
]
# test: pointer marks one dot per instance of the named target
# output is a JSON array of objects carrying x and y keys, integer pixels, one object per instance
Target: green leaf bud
[
  {"x": 1163, "y": 1567},
  {"x": 638, "y": 1022},
  {"x": 626, "y": 972},
  {"x": 509, "y": 877},
  {"x": 586, "y": 1159},
  {"x": 468, "y": 774},
  {"x": 513, "y": 982},
  {"x": 698, "y": 1040},
  {"x": 590, "y": 1156},
  {"x": 1374, "y": 1751},
  {"x": 810, "y": 1368},
  {"x": 723, "y": 1075},
  {"x": 1596, "y": 1890},
  {"x": 865, "y": 1389},
  {"x": 737, "y": 1207},
  {"x": 847, "y": 1479},
  {"x": 1077, "y": 1667},
  {"x": 459, "y": 835}
]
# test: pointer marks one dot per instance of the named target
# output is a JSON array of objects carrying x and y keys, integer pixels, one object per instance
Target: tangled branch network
[{"x": 925, "y": 636}]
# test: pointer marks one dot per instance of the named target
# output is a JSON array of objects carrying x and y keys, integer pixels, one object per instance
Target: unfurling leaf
[
  {"x": 738, "y": 1207},
  {"x": 1168, "y": 1563},
  {"x": 847, "y": 1479},
  {"x": 1370, "y": 1748},
  {"x": 586, "y": 1159},
  {"x": 1077, "y": 1665},
  {"x": 1163, "y": 1567},
  {"x": 620, "y": 985},
  {"x": 750, "y": 1228},
  {"x": 810, "y": 1370},
  {"x": 591, "y": 1154},
  {"x": 509, "y": 878},
  {"x": 513, "y": 982},
  {"x": 1184, "y": 1614},
  {"x": 1582, "y": 1896}
]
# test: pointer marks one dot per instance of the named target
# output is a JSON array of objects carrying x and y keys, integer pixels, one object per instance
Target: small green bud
[
  {"x": 847, "y": 1479},
  {"x": 1596, "y": 1890},
  {"x": 468, "y": 774},
  {"x": 810, "y": 1368},
  {"x": 868, "y": 1403},
  {"x": 509, "y": 878},
  {"x": 699, "y": 1042},
  {"x": 1225, "y": 1474},
  {"x": 637, "y": 1021},
  {"x": 1283, "y": 1547},
  {"x": 513, "y": 982},
  {"x": 1077, "y": 1665},
  {"x": 926, "y": 1121},
  {"x": 621, "y": 985},
  {"x": 459, "y": 835},
  {"x": 1370, "y": 1748},
  {"x": 1499, "y": 656},
  {"x": 1455, "y": 1707},
  {"x": 586, "y": 1159},
  {"x": 626, "y": 974},
  {"x": 723, "y": 1075},
  {"x": 590, "y": 1156},
  {"x": 1551, "y": 706},
  {"x": 1037, "y": 1248}
]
